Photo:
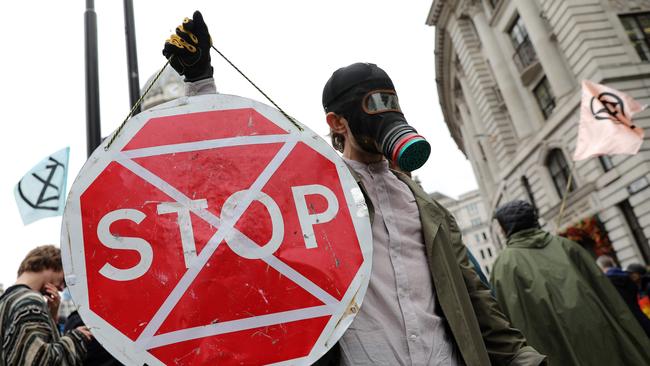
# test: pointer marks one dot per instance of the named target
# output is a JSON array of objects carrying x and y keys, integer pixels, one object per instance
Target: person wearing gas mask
[{"x": 425, "y": 304}]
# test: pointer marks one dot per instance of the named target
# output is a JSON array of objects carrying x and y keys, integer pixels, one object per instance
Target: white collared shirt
[{"x": 397, "y": 324}]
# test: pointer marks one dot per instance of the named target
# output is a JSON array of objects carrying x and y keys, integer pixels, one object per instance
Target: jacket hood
[
  {"x": 529, "y": 238},
  {"x": 516, "y": 216}
]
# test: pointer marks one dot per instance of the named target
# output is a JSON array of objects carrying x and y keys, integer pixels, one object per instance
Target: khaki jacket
[{"x": 482, "y": 333}]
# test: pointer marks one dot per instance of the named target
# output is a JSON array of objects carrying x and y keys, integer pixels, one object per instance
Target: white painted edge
[{"x": 72, "y": 247}]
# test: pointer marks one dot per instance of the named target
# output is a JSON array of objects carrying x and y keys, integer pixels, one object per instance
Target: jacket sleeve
[
  {"x": 34, "y": 341},
  {"x": 505, "y": 345}
]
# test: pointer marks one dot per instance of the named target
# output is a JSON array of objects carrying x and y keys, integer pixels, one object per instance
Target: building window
[
  {"x": 472, "y": 208},
  {"x": 475, "y": 222},
  {"x": 482, "y": 254},
  {"x": 458, "y": 116},
  {"x": 477, "y": 238},
  {"x": 560, "y": 171},
  {"x": 544, "y": 97},
  {"x": 525, "y": 54},
  {"x": 484, "y": 236},
  {"x": 480, "y": 146},
  {"x": 606, "y": 162},
  {"x": 637, "y": 27},
  {"x": 489, "y": 252},
  {"x": 458, "y": 91},
  {"x": 636, "y": 228},
  {"x": 529, "y": 191}
]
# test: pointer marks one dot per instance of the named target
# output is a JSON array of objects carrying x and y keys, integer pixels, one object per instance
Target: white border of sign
[{"x": 135, "y": 353}]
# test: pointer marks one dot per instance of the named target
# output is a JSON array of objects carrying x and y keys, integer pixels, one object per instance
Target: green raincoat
[{"x": 552, "y": 290}]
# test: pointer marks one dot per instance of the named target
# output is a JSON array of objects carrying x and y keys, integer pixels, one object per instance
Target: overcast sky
[{"x": 289, "y": 48}]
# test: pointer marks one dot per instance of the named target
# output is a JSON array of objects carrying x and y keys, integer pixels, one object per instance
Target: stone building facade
[
  {"x": 508, "y": 77},
  {"x": 474, "y": 222}
]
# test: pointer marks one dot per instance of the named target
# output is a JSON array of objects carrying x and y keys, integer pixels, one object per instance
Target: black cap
[
  {"x": 516, "y": 216},
  {"x": 636, "y": 268},
  {"x": 345, "y": 79}
]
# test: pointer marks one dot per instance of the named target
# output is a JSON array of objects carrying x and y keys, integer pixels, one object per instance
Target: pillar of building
[
  {"x": 505, "y": 80},
  {"x": 479, "y": 128},
  {"x": 561, "y": 80},
  {"x": 470, "y": 135}
]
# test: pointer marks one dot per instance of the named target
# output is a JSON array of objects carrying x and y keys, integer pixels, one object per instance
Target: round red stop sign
[{"x": 214, "y": 231}]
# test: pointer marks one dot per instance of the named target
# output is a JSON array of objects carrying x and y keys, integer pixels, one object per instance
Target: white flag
[
  {"x": 41, "y": 192},
  {"x": 606, "y": 122}
]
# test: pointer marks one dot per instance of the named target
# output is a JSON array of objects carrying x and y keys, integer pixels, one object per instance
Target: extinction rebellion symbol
[
  {"x": 41, "y": 201},
  {"x": 613, "y": 108}
]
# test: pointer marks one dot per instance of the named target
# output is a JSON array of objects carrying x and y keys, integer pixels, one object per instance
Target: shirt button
[{"x": 413, "y": 336}]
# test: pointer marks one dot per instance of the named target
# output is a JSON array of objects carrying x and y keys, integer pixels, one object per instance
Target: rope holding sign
[
  {"x": 293, "y": 121},
  {"x": 136, "y": 105}
]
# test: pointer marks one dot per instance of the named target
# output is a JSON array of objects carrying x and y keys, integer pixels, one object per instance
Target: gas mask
[{"x": 365, "y": 96}]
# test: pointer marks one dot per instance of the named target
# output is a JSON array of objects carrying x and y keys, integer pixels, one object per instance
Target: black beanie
[
  {"x": 344, "y": 80},
  {"x": 516, "y": 216}
]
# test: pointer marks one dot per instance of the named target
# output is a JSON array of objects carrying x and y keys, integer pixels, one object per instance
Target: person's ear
[{"x": 336, "y": 123}]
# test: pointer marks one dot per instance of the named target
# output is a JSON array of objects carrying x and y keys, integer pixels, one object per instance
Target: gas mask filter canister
[{"x": 364, "y": 94}]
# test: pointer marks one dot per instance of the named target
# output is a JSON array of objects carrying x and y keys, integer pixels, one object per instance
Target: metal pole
[
  {"x": 131, "y": 54},
  {"x": 93, "y": 126},
  {"x": 564, "y": 197}
]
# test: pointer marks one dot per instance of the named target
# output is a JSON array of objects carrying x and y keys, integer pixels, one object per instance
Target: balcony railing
[{"x": 525, "y": 55}]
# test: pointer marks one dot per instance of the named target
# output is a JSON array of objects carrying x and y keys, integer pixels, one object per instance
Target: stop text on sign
[{"x": 240, "y": 245}]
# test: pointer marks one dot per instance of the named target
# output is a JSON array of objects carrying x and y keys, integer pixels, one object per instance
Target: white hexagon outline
[{"x": 128, "y": 351}]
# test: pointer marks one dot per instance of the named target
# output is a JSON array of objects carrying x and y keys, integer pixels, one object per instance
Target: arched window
[{"x": 560, "y": 171}]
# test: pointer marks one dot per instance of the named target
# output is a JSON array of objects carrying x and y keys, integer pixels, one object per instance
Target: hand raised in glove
[{"x": 190, "y": 47}]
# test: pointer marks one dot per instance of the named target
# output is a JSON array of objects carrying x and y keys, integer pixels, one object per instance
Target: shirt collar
[{"x": 380, "y": 166}]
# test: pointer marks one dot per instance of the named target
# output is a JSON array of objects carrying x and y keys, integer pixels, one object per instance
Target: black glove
[{"x": 190, "y": 47}]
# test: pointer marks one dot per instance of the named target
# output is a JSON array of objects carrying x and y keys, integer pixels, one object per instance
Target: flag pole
[{"x": 564, "y": 197}]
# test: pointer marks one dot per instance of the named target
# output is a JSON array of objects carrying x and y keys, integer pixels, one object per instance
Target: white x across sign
[{"x": 214, "y": 231}]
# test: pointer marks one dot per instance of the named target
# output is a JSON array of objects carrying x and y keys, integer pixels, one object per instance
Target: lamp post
[
  {"x": 93, "y": 126},
  {"x": 131, "y": 54}
]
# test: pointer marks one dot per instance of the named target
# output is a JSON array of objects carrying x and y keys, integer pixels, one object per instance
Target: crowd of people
[{"x": 547, "y": 301}]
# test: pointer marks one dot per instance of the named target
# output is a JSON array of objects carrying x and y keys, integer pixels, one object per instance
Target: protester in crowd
[
  {"x": 425, "y": 304},
  {"x": 626, "y": 288},
  {"x": 551, "y": 289},
  {"x": 29, "y": 312},
  {"x": 639, "y": 275}
]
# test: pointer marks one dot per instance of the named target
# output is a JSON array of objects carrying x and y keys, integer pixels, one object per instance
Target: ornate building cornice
[
  {"x": 434, "y": 12},
  {"x": 470, "y": 8}
]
